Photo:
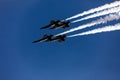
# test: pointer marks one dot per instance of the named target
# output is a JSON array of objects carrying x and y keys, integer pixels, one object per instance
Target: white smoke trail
[
  {"x": 98, "y": 14},
  {"x": 110, "y": 17},
  {"x": 106, "y": 6},
  {"x": 99, "y": 30}
]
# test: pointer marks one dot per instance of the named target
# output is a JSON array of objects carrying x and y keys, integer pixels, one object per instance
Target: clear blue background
[{"x": 92, "y": 57}]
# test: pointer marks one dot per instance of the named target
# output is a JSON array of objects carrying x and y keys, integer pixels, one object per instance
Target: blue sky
[{"x": 93, "y": 57}]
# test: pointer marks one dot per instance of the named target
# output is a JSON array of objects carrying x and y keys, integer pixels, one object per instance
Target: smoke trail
[
  {"x": 106, "y": 6},
  {"x": 99, "y": 30},
  {"x": 105, "y": 12},
  {"x": 110, "y": 17}
]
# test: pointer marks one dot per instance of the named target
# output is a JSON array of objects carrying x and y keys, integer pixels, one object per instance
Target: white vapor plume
[
  {"x": 98, "y": 14},
  {"x": 106, "y": 6},
  {"x": 99, "y": 30},
  {"x": 110, "y": 17}
]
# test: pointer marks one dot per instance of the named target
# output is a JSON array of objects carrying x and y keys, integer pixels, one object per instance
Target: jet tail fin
[{"x": 62, "y": 38}]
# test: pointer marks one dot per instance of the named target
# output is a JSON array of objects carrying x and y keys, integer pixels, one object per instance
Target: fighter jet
[
  {"x": 59, "y": 38},
  {"x": 62, "y": 24},
  {"x": 45, "y": 38},
  {"x": 52, "y": 24}
]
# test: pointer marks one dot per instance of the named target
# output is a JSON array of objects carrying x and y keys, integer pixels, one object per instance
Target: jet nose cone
[{"x": 33, "y": 42}]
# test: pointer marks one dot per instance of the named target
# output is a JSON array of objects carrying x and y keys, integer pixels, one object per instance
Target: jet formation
[{"x": 54, "y": 25}]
